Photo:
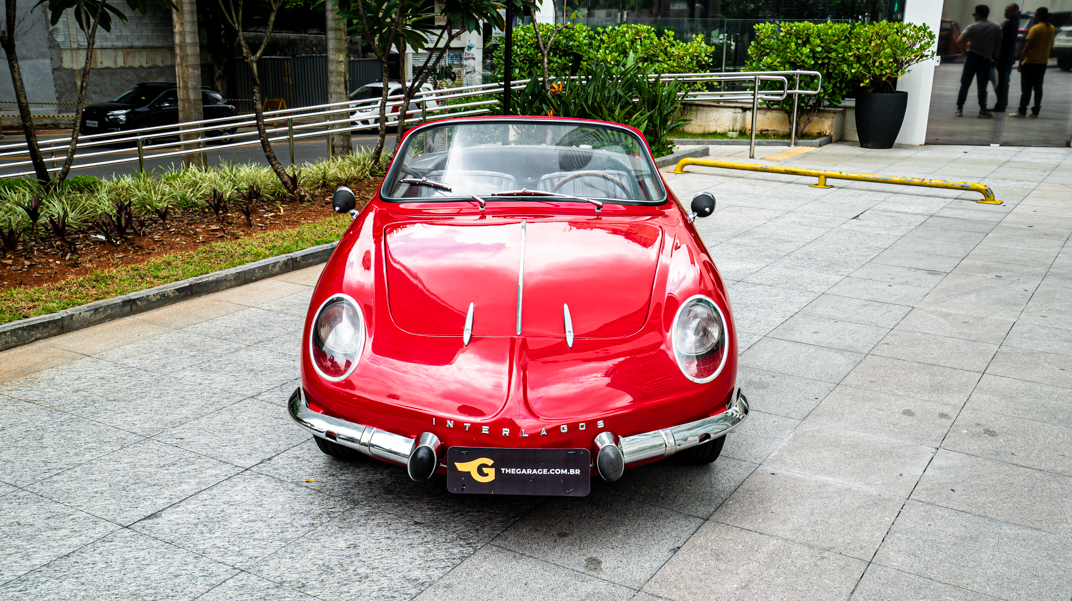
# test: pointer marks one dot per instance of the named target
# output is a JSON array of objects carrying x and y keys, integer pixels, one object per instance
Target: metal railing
[{"x": 305, "y": 122}]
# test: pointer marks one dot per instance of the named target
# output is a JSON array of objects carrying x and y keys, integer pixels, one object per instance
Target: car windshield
[
  {"x": 138, "y": 96},
  {"x": 521, "y": 160}
]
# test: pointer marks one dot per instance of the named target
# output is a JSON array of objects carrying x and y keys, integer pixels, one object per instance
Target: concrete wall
[
  {"x": 712, "y": 117},
  {"x": 35, "y": 61}
]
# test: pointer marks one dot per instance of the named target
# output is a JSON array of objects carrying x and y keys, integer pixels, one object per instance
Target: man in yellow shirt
[{"x": 1033, "y": 61}]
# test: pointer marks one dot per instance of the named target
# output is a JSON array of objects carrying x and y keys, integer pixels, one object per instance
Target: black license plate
[{"x": 555, "y": 472}]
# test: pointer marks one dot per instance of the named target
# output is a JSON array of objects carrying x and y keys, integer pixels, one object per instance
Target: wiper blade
[
  {"x": 527, "y": 192},
  {"x": 431, "y": 183}
]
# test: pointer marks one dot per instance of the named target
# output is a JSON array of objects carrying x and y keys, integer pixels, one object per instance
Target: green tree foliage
[
  {"x": 621, "y": 93},
  {"x": 884, "y": 52},
  {"x": 577, "y": 48},
  {"x": 824, "y": 47}
]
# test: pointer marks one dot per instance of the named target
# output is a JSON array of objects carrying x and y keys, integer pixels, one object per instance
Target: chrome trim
[
  {"x": 692, "y": 216},
  {"x": 725, "y": 336},
  {"x": 432, "y": 442},
  {"x": 467, "y": 332},
  {"x": 521, "y": 277},
  {"x": 365, "y": 439},
  {"x": 668, "y": 441},
  {"x": 361, "y": 322},
  {"x": 483, "y": 203},
  {"x": 607, "y": 442},
  {"x": 569, "y": 325},
  {"x": 598, "y": 203}
]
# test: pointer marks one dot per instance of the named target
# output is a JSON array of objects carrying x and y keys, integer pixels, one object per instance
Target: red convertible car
[{"x": 523, "y": 305}]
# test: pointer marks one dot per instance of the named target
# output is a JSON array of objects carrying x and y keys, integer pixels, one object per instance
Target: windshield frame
[{"x": 461, "y": 196}]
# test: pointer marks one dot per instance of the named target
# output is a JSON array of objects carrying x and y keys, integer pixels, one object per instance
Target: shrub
[
  {"x": 884, "y": 51},
  {"x": 824, "y": 47}
]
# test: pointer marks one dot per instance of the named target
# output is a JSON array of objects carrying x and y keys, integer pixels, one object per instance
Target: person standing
[
  {"x": 983, "y": 41},
  {"x": 1033, "y": 61},
  {"x": 1010, "y": 29}
]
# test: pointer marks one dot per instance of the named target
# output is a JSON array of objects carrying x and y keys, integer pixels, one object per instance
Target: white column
[{"x": 920, "y": 78}]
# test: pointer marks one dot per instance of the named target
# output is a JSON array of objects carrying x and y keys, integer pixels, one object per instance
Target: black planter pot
[{"x": 879, "y": 118}]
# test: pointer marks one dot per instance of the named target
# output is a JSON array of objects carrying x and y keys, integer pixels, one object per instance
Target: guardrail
[
  {"x": 305, "y": 122},
  {"x": 824, "y": 174}
]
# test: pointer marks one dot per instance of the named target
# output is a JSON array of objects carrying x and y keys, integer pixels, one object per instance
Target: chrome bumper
[
  {"x": 668, "y": 441},
  {"x": 366, "y": 439},
  {"x": 397, "y": 449}
]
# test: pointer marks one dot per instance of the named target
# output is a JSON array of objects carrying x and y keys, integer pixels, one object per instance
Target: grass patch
[
  {"x": 740, "y": 136},
  {"x": 20, "y": 303}
]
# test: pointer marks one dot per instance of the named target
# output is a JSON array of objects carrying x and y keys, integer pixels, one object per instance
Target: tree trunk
[
  {"x": 339, "y": 144},
  {"x": 289, "y": 182},
  {"x": 91, "y": 37},
  {"x": 376, "y": 152},
  {"x": 408, "y": 92},
  {"x": 7, "y": 41},
  {"x": 188, "y": 76}
]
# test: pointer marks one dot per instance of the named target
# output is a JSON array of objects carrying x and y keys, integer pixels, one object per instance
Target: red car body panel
[{"x": 414, "y": 267}]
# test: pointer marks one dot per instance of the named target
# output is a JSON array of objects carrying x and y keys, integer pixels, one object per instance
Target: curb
[
  {"x": 823, "y": 141},
  {"x": 25, "y": 331},
  {"x": 672, "y": 159}
]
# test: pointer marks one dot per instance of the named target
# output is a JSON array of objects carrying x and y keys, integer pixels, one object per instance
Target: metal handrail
[{"x": 321, "y": 115}]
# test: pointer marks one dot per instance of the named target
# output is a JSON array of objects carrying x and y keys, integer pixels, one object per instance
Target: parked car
[
  {"x": 367, "y": 114},
  {"x": 1062, "y": 42},
  {"x": 523, "y": 305},
  {"x": 148, "y": 105}
]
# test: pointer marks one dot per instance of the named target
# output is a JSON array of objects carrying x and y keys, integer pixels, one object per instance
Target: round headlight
[
  {"x": 337, "y": 338},
  {"x": 699, "y": 339}
]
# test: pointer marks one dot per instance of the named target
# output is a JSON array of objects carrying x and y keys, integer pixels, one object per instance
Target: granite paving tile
[
  {"x": 1000, "y": 254},
  {"x": 761, "y": 308},
  {"x": 494, "y": 573},
  {"x": 1017, "y": 495},
  {"x": 879, "y": 463},
  {"x": 247, "y": 587},
  {"x": 248, "y": 326},
  {"x": 954, "y": 223},
  {"x": 758, "y": 436},
  {"x": 81, "y": 379},
  {"x": 124, "y": 565},
  {"x": 36, "y": 531},
  {"x": 885, "y": 292},
  {"x": 134, "y": 482},
  {"x": 627, "y": 541},
  {"x": 979, "y": 554},
  {"x": 862, "y": 410},
  {"x": 880, "y": 314},
  {"x": 893, "y": 274},
  {"x": 1049, "y": 306},
  {"x": 242, "y": 434},
  {"x": 917, "y": 260},
  {"x": 793, "y": 278},
  {"x": 368, "y": 554},
  {"x": 243, "y": 519},
  {"x": 957, "y": 353},
  {"x": 779, "y": 394},
  {"x": 1023, "y": 399},
  {"x": 1058, "y": 277},
  {"x": 249, "y": 371},
  {"x": 32, "y": 358},
  {"x": 280, "y": 394},
  {"x": 884, "y": 584},
  {"x": 990, "y": 297},
  {"x": 1006, "y": 272},
  {"x": 695, "y": 490},
  {"x": 801, "y": 360},
  {"x": 956, "y": 325},
  {"x": 170, "y": 352},
  {"x": 37, "y": 442},
  {"x": 294, "y": 304},
  {"x": 909, "y": 378},
  {"x": 831, "y": 333},
  {"x": 930, "y": 246},
  {"x": 188, "y": 313},
  {"x": 1046, "y": 339},
  {"x": 929, "y": 231},
  {"x": 761, "y": 567},
  {"x": 1012, "y": 440},
  {"x": 819, "y": 513},
  {"x": 1025, "y": 364},
  {"x": 107, "y": 336},
  {"x": 259, "y": 292},
  {"x": 305, "y": 277}
]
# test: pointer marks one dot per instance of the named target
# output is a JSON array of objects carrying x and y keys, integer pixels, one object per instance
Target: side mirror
[
  {"x": 343, "y": 200},
  {"x": 703, "y": 204}
]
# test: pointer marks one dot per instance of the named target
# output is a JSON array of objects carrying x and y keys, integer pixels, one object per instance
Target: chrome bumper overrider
[
  {"x": 398, "y": 449},
  {"x": 366, "y": 439},
  {"x": 668, "y": 441}
]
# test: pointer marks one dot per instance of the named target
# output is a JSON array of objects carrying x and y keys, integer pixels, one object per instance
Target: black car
[{"x": 150, "y": 104}]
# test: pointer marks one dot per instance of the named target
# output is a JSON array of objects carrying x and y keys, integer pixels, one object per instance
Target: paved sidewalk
[{"x": 907, "y": 354}]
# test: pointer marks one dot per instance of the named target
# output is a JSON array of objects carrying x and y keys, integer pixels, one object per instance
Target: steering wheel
[{"x": 577, "y": 174}]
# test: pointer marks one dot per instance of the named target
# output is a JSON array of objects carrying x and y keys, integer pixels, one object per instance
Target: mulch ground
[{"x": 44, "y": 260}]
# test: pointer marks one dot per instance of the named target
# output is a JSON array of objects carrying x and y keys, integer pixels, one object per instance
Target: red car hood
[{"x": 603, "y": 270}]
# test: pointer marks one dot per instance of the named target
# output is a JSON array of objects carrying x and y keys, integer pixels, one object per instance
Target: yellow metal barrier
[{"x": 823, "y": 174}]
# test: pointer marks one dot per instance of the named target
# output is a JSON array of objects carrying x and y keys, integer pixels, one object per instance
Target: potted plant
[{"x": 883, "y": 52}]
